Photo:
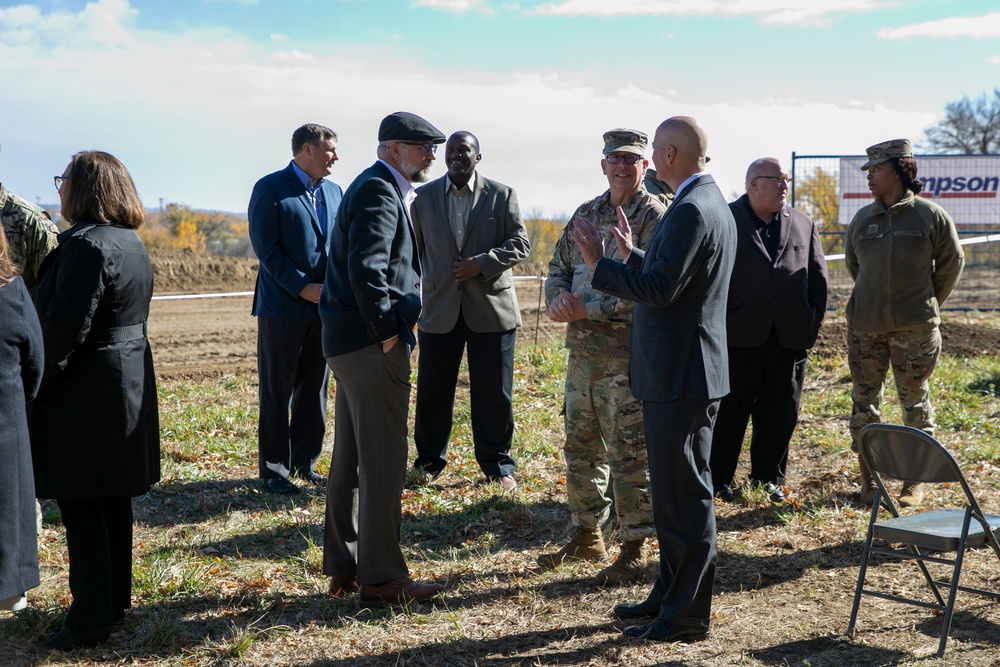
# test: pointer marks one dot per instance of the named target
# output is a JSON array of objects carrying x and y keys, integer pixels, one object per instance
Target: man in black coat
[
  {"x": 777, "y": 301},
  {"x": 678, "y": 369},
  {"x": 369, "y": 307}
]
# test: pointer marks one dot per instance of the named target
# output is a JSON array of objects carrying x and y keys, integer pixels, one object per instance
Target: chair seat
[{"x": 939, "y": 530}]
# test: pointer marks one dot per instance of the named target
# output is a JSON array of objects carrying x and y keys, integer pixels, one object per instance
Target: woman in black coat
[
  {"x": 20, "y": 373},
  {"x": 94, "y": 425}
]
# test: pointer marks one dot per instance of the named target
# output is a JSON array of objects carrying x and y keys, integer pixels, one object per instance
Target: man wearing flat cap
[
  {"x": 470, "y": 235},
  {"x": 605, "y": 443},
  {"x": 905, "y": 258},
  {"x": 369, "y": 307}
]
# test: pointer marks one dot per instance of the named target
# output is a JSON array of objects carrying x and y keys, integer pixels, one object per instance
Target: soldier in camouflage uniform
[
  {"x": 604, "y": 424},
  {"x": 31, "y": 235},
  {"x": 904, "y": 255}
]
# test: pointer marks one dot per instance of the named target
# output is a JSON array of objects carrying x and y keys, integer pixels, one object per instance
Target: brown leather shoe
[
  {"x": 343, "y": 586},
  {"x": 400, "y": 591}
]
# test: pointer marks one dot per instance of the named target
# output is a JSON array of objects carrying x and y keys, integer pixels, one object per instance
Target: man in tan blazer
[{"x": 469, "y": 235}]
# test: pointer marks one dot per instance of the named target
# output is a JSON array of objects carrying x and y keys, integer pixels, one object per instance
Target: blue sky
[{"x": 199, "y": 97}]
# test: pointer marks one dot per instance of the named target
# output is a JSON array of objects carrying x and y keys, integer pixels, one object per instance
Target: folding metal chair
[{"x": 910, "y": 455}]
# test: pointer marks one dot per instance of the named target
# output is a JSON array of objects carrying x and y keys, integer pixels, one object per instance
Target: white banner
[{"x": 964, "y": 185}]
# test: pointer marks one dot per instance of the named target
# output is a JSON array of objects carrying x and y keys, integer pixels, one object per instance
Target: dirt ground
[{"x": 194, "y": 338}]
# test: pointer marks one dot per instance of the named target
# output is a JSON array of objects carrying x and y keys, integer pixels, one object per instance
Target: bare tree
[{"x": 969, "y": 126}]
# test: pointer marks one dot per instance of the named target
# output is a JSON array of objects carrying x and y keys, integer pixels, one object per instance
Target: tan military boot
[
  {"x": 912, "y": 494},
  {"x": 627, "y": 567},
  {"x": 868, "y": 487},
  {"x": 586, "y": 544}
]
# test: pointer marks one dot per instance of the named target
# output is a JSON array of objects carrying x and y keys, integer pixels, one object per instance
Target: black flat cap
[{"x": 406, "y": 126}]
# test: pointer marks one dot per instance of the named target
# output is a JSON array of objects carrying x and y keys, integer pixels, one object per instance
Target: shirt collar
[
  {"x": 448, "y": 185},
  {"x": 688, "y": 181},
  {"x": 405, "y": 187},
  {"x": 305, "y": 178}
]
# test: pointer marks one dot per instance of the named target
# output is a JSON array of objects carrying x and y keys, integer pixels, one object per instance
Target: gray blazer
[
  {"x": 678, "y": 342},
  {"x": 495, "y": 238}
]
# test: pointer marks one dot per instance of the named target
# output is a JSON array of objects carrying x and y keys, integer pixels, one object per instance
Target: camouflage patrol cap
[
  {"x": 624, "y": 140},
  {"x": 887, "y": 150}
]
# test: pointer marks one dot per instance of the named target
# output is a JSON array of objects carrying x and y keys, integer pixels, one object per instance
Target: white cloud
[
  {"x": 780, "y": 12},
  {"x": 199, "y": 116},
  {"x": 456, "y": 6},
  {"x": 977, "y": 27},
  {"x": 278, "y": 37},
  {"x": 993, "y": 60}
]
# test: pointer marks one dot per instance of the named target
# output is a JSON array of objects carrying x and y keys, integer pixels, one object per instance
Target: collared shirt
[
  {"x": 405, "y": 187},
  {"x": 315, "y": 192},
  {"x": 460, "y": 202},
  {"x": 688, "y": 181},
  {"x": 768, "y": 230}
]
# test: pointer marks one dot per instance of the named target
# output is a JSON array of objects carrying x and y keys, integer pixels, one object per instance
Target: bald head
[
  {"x": 763, "y": 166},
  {"x": 767, "y": 187},
  {"x": 679, "y": 149}
]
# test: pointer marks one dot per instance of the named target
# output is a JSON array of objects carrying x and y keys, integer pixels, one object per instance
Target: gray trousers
[{"x": 363, "y": 510}]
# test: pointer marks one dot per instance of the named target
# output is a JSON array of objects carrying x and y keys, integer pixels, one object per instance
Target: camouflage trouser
[
  {"x": 913, "y": 355},
  {"x": 604, "y": 432}
]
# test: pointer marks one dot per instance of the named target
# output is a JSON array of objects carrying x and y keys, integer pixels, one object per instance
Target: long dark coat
[
  {"x": 20, "y": 373},
  {"x": 95, "y": 423}
]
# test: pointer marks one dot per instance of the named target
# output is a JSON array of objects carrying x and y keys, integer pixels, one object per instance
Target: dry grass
[{"x": 226, "y": 574}]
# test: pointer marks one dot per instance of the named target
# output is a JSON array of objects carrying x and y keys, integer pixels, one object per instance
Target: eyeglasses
[
  {"x": 424, "y": 148},
  {"x": 784, "y": 179},
  {"x": 618, "y": 159},
  {"x": 59, "y": 180}
]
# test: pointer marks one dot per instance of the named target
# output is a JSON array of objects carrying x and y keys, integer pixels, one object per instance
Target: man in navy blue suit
[
  {"x": 291, "y": 214},
  {"x": 678, "y": 367}
]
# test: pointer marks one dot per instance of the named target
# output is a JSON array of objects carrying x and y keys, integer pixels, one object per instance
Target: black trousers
[
  {"x": 99, "y": 540},
  {"x": 765, "y": 388},
  {"x": 491, "y": 379},
  {"x": 678, "y": 443},
  {"x": 293, "y": 377}
]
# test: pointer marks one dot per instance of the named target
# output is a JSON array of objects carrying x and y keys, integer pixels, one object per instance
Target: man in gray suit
[
  {"x": 777, "y": 301},
  {"x": 369, "y": 307},
  {"x": 678, "y": 369},
  {"x": 469, "y": 235}
]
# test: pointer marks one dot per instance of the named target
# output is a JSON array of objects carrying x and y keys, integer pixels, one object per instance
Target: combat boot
[
  {"x": 912, "y": 494},
  {"x": 868, "y": 487},
  {"x": 627, "y": 567},
  {"x": 587, "y": 544}
]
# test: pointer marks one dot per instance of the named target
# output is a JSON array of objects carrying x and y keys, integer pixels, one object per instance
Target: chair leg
[
  {"x": 953, "y": 590},
  {"x": 864, "y": 568}
]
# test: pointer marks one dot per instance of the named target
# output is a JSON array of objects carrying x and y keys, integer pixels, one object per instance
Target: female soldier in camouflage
[{"x": 905, "y": 258}]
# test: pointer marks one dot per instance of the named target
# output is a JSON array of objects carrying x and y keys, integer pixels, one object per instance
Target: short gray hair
[{"x": 310, "y": 133}]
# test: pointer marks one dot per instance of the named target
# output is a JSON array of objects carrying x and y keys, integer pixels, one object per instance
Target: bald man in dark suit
[{"x": 678, "y": 368}]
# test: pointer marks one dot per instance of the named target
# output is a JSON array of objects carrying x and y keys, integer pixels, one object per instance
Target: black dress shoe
[
  {"x": 723, "y": 492},
  {"x": 280, "y": 485},
  {"x": 64, "y": 640},
  {"x": 665, "y": 631},
  {"x": 648, "y": 608},
  {"x": 310, "y": 476}
]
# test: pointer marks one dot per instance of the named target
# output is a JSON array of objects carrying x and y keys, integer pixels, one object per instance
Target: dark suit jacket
[
  {"x": 95, "y": 421},
  {"x": 372, "y": 288},
  {"x": 788, "y": 294},
  {"x": 290, "y": 243},
  {"x": 679, "y": 284},
  {"x": 495, "y": 238}
]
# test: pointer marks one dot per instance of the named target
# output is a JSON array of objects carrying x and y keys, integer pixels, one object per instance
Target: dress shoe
[
  {"x": 65, "y": 640},
  {"x": 665, "y": 631},
  {"x": 310, "y": 477},
  {"x": 774, "y": 492},
  {"x": 648, "y": 608},
  {"x": 280, "y": 485},
  {"x": 723, "y": 492},
  {"x": 401, "y": 591},
  {"x": 343, "y": 586}
]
